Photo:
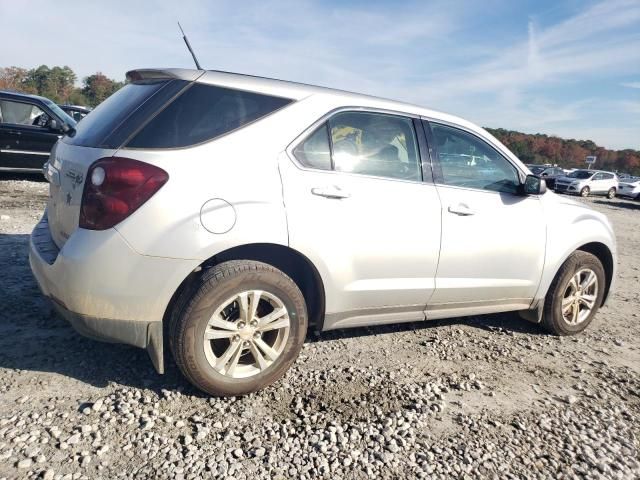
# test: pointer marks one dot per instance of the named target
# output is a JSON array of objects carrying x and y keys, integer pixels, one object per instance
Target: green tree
[
  {"x": 97, "y": 87},
  {"x": 55, "y": 83},
  {"x": 15, "y": 78}
]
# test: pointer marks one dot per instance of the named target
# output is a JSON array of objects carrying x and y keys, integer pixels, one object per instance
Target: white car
[
  {"x": 630, "y": 188},
  {"x": 588, "y": 182},
  {"x": 229, "y": 213}
]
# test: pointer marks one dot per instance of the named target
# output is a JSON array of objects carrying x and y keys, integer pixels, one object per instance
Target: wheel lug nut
[
  {"x": 254, "y": 324},
  {"x": 241, "y": 324},
  {"x": 236, "y": 338},
  {"x": 256, "y": 335},
  {"x": 245, "y": 344}
]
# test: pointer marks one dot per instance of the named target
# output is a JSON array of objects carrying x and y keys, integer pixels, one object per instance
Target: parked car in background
[
  {"x": 550, "y": 174},
  {"x": 29, "y": 127},
  {"x": 536, "y": 169},
  {"x": 77, "y": 112},
  {"x": 229, "y": 212},
  {"x": 588, "y": 182},
  {"x": 630, "y": 188}
]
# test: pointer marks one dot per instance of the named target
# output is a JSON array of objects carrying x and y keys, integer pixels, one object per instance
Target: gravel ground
[{"x": 481, "y": 397}]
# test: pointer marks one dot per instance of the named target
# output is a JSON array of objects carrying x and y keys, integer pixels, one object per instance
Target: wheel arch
[
  {"x": 293, "y": 263},
  {"x": 602, "y": 253}
]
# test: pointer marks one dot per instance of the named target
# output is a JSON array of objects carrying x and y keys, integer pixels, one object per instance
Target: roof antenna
[{"x": 186, "y": 40}]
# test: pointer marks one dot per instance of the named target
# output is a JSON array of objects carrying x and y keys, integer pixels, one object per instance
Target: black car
[
  {"x": 77, "y": 112},
  {"x": 548, "y": 173},
  {"x": 29, "y": 127}
]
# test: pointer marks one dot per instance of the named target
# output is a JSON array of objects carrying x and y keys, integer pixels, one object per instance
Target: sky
[{"x": 565, "y": 67}]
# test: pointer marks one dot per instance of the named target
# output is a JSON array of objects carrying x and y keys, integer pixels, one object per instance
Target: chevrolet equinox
[{"x": 225, "y": 214}]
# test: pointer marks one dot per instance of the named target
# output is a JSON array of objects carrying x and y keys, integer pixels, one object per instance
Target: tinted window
[
  {"x": 204, "y": 112},
  {"x": 580, "y": 174},
  {"x": 115, "y": 119},
  {"x": 314, "y": 152},
  {"x": 607, "y": 176},
  {"x": 466, "y": 161},
  {"x": 375, "y": 144},
  {"x": 20, "y": 113}
]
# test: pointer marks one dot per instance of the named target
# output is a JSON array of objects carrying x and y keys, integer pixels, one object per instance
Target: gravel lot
[{"x": 489, "y": 396}]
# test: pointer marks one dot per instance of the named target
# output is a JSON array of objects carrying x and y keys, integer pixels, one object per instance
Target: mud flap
[{"x": 155, "y": 347}]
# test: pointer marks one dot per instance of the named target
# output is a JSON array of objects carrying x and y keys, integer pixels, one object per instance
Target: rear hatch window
[{"x": 123, "y": 113}]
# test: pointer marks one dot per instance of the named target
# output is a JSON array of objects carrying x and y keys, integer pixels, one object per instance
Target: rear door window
[
  {"x": 366, "y": 143},
  {"x": 375, "y": 144},
  {"x": 204, "y": 112}
]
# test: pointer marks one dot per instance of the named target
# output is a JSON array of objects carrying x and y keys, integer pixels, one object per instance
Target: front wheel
[
  {"x": 611, "y": 193},
  {"x": 241, "y": 330},
  {"x": 574, "y": 295},
  {"x": 585, "y": 192}
]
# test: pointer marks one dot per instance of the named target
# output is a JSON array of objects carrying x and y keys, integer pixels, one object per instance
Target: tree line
[
  {"x": 59, "y": 84},
  {"x": 541, "y": 149}
]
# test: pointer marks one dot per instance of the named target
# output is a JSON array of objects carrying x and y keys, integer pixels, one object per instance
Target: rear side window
[
  {"x": 204, "y": 112},
  {"x": 315, "y": 152},
  {"x": 111, "y": 122}
]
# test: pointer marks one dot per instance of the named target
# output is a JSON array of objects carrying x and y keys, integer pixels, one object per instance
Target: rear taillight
[{"x": 115, "y": 188}]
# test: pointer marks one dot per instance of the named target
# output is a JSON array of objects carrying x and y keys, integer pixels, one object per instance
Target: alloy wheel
[
  {"x": 246, "y": 334},
  {"x": 580, "y": 296}
]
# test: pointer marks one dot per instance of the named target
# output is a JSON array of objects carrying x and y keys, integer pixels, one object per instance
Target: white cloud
[{"x": 631, "y": 84}]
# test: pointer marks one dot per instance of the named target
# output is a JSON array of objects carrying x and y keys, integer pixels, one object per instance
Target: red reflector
[{"x": 127, "y": 185}]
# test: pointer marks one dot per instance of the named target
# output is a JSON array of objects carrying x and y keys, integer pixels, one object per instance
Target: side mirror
[
  {"x": 534, "y": 185},
  {"x": 55, "y": 125}
]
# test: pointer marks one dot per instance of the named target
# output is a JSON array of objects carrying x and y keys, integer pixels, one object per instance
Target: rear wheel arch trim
[{"x": 273, "y": 254}]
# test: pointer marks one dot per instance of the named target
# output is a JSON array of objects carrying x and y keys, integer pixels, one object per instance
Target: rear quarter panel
[{"x": 240, "y": 168}]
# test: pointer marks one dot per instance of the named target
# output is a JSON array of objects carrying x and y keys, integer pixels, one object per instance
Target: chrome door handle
[
  {"x": 330, "y": 192},
  {"x": 461, "y": 209}
]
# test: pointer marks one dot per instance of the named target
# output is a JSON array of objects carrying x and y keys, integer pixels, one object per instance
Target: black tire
[
  {"x": 585, "y": 192},
  {"x": 214, "y": 287},
  {"x": 553, "y": 319},
  {"x": 611, "y": 193}
]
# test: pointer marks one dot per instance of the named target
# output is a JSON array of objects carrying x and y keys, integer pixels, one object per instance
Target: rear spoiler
[{"x": 163, "y": 74}]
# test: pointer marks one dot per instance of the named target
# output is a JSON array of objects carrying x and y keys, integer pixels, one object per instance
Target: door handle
[
  {"x": 330, "y": 192},
  {"x": 461, "y": 209}
]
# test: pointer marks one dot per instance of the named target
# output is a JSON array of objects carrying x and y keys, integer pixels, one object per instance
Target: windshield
[
  {"x": 582, "y": 174},
  {"x": 61, "y": 114}
]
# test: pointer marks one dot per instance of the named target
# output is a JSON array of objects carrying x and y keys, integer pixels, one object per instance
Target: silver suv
[
  {"x": 588, "y": 182},
  {"x": 227, "y": 214}
]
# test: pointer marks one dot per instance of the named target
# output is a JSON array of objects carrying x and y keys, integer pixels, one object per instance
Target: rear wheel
[
  {"x": 585, "y": 192},
  {"x": 611, "y": 193},
  {"x": 241, "y": 330},
  {"x": 574, "y": 295}
]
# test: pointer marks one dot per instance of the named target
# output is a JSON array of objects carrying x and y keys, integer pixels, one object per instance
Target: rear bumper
[
  {"x": 146, "y": 335},
  {"x": 105, "y": 289}
]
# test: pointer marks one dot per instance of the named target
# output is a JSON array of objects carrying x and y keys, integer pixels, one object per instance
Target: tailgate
[{"x": 66, "y": 171}]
